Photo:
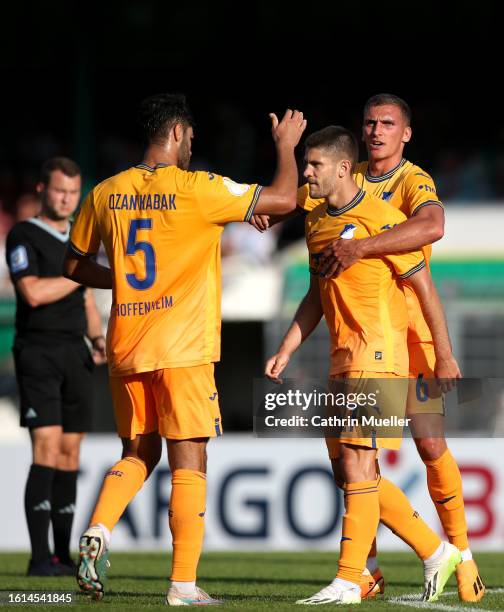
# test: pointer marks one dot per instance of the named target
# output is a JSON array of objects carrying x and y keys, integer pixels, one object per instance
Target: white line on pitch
[{"x": 413, "y": 600}]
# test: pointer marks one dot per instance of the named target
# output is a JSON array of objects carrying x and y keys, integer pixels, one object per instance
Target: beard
[
  {"x": 56, "y": 216},
  {"x": 184, "y": 155}
]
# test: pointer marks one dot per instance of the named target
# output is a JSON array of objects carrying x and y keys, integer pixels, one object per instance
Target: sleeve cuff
[
  {"x": 414, "y": 270},
  {"x": 427, "y": 203},
  {"x": 79, "y": 252},
  {"x": 253, "y": 204}
]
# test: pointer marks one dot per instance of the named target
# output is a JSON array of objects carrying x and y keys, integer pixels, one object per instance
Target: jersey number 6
[{"x": 150, "y": 257}]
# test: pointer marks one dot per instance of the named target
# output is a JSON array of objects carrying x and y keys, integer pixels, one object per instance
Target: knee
[
  {"x": 430, "y": 449},
  {"x": 46, "y": 452},
  {"x": 151, "y": 462},
  {"x": 150, "y": 458},
  {"x": 358, "y": 464},
  {"x": 68, "y": 459}
]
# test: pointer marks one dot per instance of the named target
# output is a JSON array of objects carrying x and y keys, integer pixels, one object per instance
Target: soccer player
[
  {"x": 365, "y": 310},
  {"x": 405, "y": 186},
  {"x": 53, "y": 364},
  {"x": 161, "y": 227}
]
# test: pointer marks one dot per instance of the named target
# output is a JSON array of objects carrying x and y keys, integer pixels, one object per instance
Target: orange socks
[
  {"x": 187, "y": 522},
  {"x": 397, "y": 513},
  {"x": 445, "y": 488},
  {"x": 373, "y": 551},
  {"x": 360, "y": 523},
  {"x": 122, "y": 482}
]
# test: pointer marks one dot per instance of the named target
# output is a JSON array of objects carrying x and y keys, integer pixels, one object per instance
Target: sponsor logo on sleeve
[{"x": 236, "y": 189}]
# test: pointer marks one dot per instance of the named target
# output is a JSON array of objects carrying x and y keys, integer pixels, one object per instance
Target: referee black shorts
[{"x": 55, "y": 383}]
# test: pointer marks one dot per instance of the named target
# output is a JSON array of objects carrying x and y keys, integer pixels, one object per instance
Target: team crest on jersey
[
  {"x": 237, "y": 189},
  {"x": 348, "y": 231},
  {"x": 387, "y": 195},
  {"x": 18, "y": 259}
]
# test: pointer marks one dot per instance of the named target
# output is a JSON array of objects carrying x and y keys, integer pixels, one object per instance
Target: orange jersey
[
  {"x": 365, "y": 306},
  {"x": 408, "y": 188},
  {"x": 161, "y": 229}
]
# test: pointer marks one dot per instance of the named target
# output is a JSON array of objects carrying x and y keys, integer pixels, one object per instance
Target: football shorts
[
  {"x": 55, "y": 379},
  {"x": 179, "y": 403},
  {"x": 424, "y": 394},
  {"x": 390, "y": 391}
]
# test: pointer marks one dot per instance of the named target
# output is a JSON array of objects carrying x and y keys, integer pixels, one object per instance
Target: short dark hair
[
  {"x": 160, "y": 112},
  {"x": 384, "y": 98},
  {"x": 337, "y": 139},
  {"x": 64, "y": 164}
]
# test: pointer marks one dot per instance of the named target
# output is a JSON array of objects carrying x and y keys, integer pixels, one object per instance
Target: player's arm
[
  {"x": 94, "y": 329},
  {"x": 303, "y": 206},
  {"x": 425, "y": 227},
  {"x": 85, "y": 270},
  {"x": 23, "y": 262},
  {"x": 263, "y": 222},
  {"x": 279, "y": 198},
  {"x": 305, "y": 320},
  {"x": 80, "y": 264},
  {"x": 446, "y": 367},
  {"x": 37, "y": 291}
]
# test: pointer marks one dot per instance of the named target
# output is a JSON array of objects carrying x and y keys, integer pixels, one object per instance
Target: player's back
[{"x": 161, "y": 229}]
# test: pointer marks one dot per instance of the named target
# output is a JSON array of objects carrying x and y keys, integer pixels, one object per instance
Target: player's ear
[
  {"x": 178, "y": 132},
  {"x": 407, "y": 134},
  {"x": 345, "y": 168}
]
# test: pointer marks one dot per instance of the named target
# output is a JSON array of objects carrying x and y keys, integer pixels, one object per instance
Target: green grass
[{"x": 247, "y": 581}]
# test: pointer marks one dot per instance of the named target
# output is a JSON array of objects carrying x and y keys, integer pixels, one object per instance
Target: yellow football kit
[
  {"x": 161, "y": 229},
  {"x": 408, "y": 188},
  {"x": 365, "y": 306}
]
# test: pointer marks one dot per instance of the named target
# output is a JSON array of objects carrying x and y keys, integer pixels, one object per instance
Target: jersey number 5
[{"x": 150, "y": 257}]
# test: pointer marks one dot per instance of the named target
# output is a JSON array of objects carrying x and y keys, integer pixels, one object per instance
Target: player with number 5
[{"x": 161, "y": 227}]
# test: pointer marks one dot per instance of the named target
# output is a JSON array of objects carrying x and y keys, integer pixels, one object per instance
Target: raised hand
[{"x": 289, "y": 130}]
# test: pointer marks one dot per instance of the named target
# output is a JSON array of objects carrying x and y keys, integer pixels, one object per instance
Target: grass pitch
[{"x": 254, "y": 581}]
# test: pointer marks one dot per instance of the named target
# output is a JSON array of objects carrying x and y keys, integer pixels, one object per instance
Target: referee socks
[
  {"x": 38, "y": 509},
  {"x": 64, "y": 492}
]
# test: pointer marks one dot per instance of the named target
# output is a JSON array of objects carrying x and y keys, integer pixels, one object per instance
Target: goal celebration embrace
[{"x": 177, "y": 258}]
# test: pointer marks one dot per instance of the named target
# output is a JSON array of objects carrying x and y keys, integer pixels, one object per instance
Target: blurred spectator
[
  {"x": 6, "y": 222},
  {"x": 465, "y": 178},
  {"x": 244, "y": 241},
  {"x": 244, "y": 249},
  {"x": 27, "y": 206}
]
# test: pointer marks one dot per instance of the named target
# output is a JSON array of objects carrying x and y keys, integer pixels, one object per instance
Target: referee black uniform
[{"x": 53, "y": 369}]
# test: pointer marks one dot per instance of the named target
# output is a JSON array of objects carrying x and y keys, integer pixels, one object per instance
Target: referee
[{"x": 53, "y": 363}]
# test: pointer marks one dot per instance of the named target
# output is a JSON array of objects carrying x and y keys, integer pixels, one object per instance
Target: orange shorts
[
  {"x": 424, "y": 395},
  {"x": 392, "y": 401},
  {"x": 180, "y": 403}
]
